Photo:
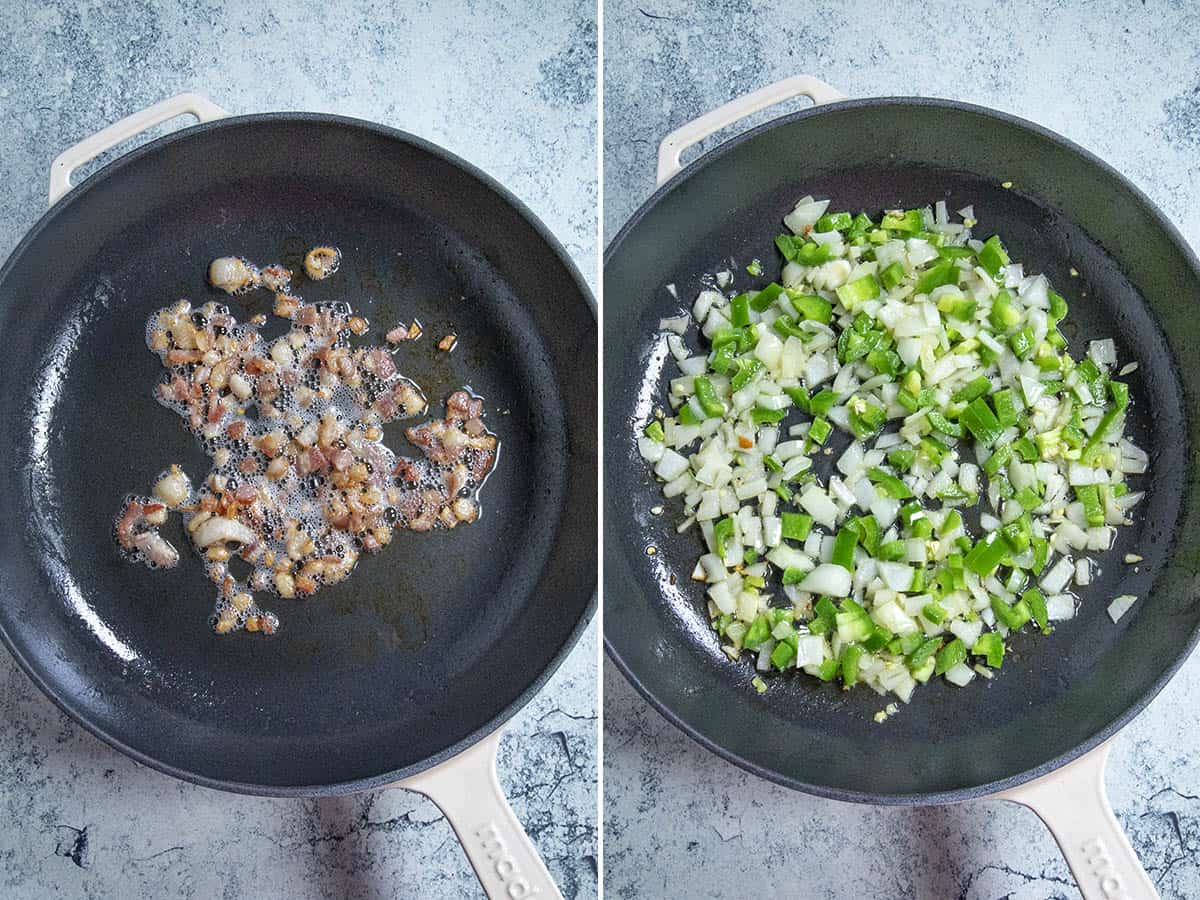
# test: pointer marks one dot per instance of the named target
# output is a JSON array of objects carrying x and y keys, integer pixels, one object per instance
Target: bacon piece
[
  {"x": 462, "y": 406},
  {"x": 381, "y": 363}
]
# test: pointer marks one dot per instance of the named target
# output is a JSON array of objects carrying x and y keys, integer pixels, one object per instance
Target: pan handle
[
  {"x": 467, "y": 790},
  {"x": 89, "y": 148},
  {"x": 698, "y": 129},
  {"x": 1074, "y": 805}
]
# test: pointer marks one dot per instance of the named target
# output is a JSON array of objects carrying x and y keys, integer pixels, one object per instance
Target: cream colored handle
[
  {"x": 1074, "y": 805},
  {"x": 467, "y": 790},
  {"x": 698, "y": 129},
  {"x": 89, "y": 148}
]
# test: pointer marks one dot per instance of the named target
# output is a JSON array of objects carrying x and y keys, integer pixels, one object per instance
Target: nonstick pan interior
[
  {"x": 435, "y": 639},
  {"x": 1137, "y": 282}
]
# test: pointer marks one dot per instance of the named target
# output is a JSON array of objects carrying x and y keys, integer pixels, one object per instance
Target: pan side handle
[
  {"x": 1073, "y": 803},
  {"x": 698, "y": 129},
  {"x": 467, "y": 790},
  {"x": 91, "y": 147}
]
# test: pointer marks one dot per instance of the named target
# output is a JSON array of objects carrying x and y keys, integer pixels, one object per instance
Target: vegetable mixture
[
  {"x": 302, "y": 482},
  {"x": 936, "y": 365}
]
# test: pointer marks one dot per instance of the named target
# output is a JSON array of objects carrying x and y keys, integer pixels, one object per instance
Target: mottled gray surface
[
  {"x": 509, "y": 86},
  {"x": 1121, "y": 79}
]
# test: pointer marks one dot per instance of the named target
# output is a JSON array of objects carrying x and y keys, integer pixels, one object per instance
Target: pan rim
[
  {"x": 990, "y": 788},
  {"x": 494, "y": 724}
]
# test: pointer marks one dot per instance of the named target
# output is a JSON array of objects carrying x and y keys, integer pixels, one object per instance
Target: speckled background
[
  {"x": 510, "y": 87},
  {"x": 1120, "y": 79}
]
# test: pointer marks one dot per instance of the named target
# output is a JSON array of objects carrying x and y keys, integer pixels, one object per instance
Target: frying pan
[
  {"x": 1036, "y": 733},
  {"x": 402, "y": 674}
]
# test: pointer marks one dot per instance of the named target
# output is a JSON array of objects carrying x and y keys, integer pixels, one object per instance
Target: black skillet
[
  {"x": 1059, "y": 697},
  {"x": 432, "y": 644}
]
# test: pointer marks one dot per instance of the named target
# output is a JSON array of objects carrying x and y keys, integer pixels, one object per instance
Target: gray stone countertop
[
  {"x": 511, "y": 87},
  {"x": 1120, "y": 79}
]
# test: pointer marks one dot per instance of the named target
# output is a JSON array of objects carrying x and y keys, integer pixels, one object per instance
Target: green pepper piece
[
  {"x": 850, "y": 657},
  {"x": 909, "y": 221},
  {"x": 820, "y": 430},
  {"x": 813, "y": 254},
  {"x": 889, "y": 484},
  {"x": 1012, "y": 616},
  {"x": 925, "y": 649},
  {"x": 1006, "y": 407},
  {"x": 760, "y": 630},
  {"x": 843, "y": 548},
  {"x": 722, "y": 532},
  {"x": 796, "y": 526},
  {"x": 1036, "y": 601},
  {"x": 1004, "y": 314},
  {"x": 748, "y": 369},
  {"x": 706, "y": 394},
  {"x": 822, "y": 402},
  {"x": 858, "y": 291},
  {"x": 976, "y": 387},
  {"x": 836, "y": 221},
  {"x": 940, "y": 423},
  {"x": 990, "y": 646},
  {"x": 981, "y": 421},
  {"x": 1093, "y": 506},
  {"x": 892, "y": 275},
  {"x": 901, "y": 458},
  {"x": 992, "y": 256},
  {"x": 942, "y": 272},
  {"x": 950, "y": 656},
  {"x": 739, "y": 310},
  {"x": 810, "y": 306},
  {"x": 986, "y": 555}
]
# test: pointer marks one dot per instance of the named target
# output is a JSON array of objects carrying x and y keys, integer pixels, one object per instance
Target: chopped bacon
[
  {"x": 385, "y": 406},
  {"x": 341, "y": 460},
  {"x": 407, "y": 471},
  {"x": 312, "y": 461},
  {"x": 462, "y": 406},
  {"x": 303, "y": 407},
  {"x": 481, "y": 463},
  {"x": 216, "y": 409},
  {"x": 383, "y": 365},
  {"x": 401, "y": 333},
  {"x": 276, "y": 278}
]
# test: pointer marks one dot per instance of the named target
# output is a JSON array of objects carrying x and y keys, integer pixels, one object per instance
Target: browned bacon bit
[
  {"x": 448, "y": 342},
  {"x": 286, "y": 305},
  {"x": 301, "y": 484},
  {"x": 137, "y": 533},
  {"x": 321, "y": 262},
  {"x": 380, "y": 363},
  {"x": 276, "y": 278},
  {"x": 462, "y": 406},
  {"x": 402, "y": 333}
]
